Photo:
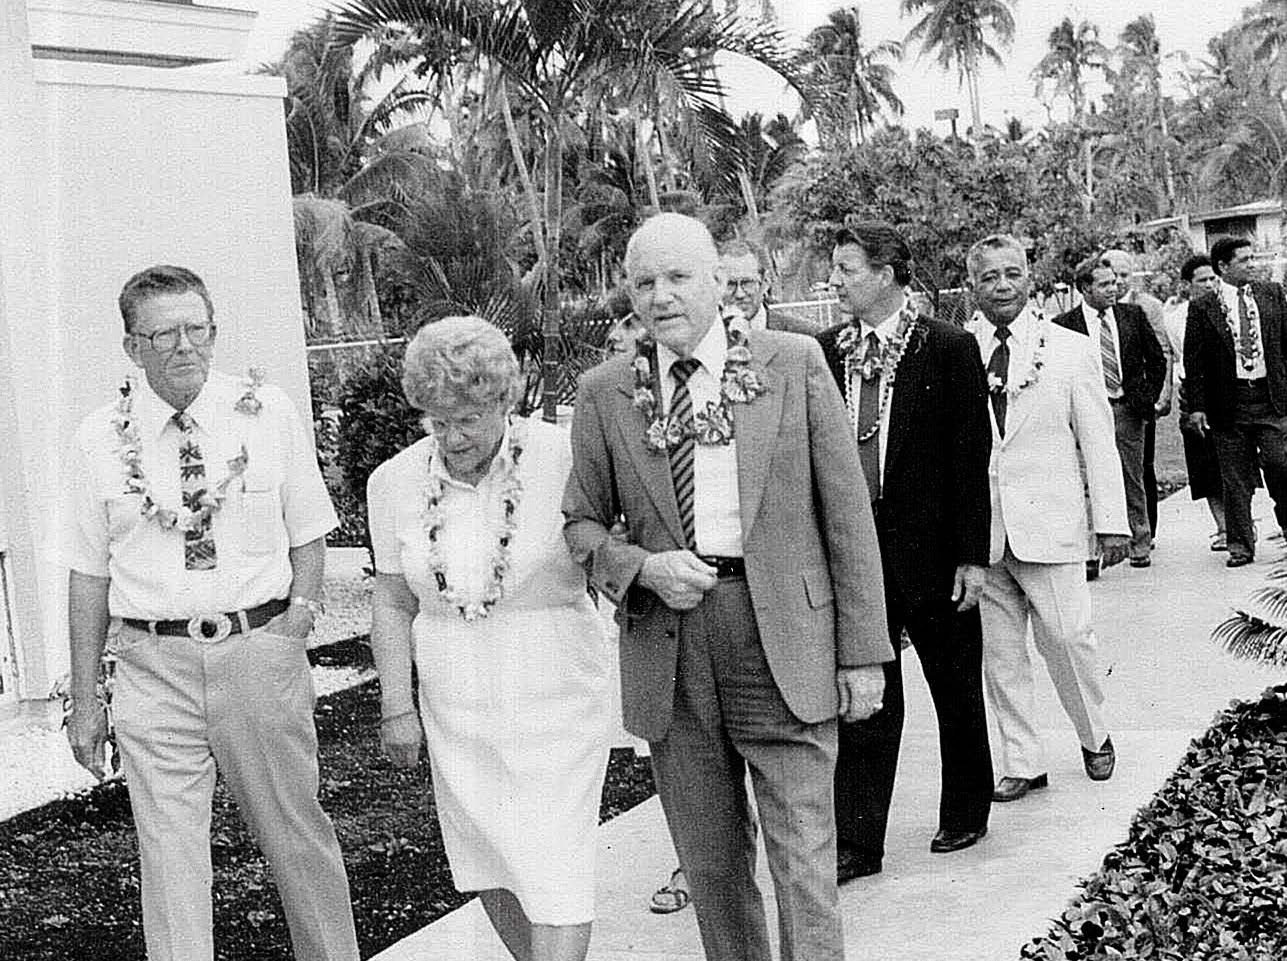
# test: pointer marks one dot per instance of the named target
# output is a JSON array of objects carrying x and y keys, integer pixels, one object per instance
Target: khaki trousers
[
  {"x": 1055, "y": 599},
  {"x": 245, "y": 706}
]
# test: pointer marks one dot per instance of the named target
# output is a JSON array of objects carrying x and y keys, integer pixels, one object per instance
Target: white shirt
[
  {"x": 757, "y": 321},
  {"x": 1022, "y": 342},
  {"x": 1229, "y": 294},
  {"x": 1176, "y": 317},
  {"x": 1091, "y": 316},
  {"x": 280, "y": 502},
  {"x": 884, "y": 331},
  {"x": 717, "y": 503}
]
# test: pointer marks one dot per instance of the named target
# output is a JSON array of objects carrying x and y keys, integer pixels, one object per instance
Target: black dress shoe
[
  {"x": 945, "y": 842},
  {"x": 1099, "y": 764},
  {"x": 852, "y": 864},
  {"x": 1141, "y": 561},
  {"x": 1013, "y": 788},
  {"x": 1092, "y": 570},
  {"x": 1238, "y": 560}
]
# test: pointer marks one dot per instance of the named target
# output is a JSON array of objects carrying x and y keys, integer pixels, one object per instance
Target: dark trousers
[
  {"x": 1255, "y": 442},
  {"x": 729, "y": 716},
  {"x": 950, "y": 648},
  {"x": 1150, "y": 474}
]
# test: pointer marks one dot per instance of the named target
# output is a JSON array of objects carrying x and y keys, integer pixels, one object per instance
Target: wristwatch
[{"x": 315, "y": 608}]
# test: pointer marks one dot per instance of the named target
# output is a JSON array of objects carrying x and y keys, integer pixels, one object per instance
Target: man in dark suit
[
  {"x": 748, "y": 590},
  {"x": 1235, "y": 382},
  {"x": 917, "y": 398},
  {"x": 1134, "y": 370}
]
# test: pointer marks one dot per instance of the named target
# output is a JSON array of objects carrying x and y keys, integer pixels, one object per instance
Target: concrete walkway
[{"x": 1164, "y": 681}]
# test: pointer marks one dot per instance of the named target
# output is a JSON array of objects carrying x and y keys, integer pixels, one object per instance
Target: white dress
[{"x": 515, "y": 704}]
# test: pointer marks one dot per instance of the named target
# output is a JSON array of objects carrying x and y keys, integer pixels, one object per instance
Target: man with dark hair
[
  {"x": 198, "y": 523},
  {"x": 1132, "y": 367},
  {"x": 924, "y": 441},
  {"x": 1235, "y": 379}
]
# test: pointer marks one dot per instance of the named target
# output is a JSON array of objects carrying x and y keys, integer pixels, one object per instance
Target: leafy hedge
[{"x": 1203, "y": 873}]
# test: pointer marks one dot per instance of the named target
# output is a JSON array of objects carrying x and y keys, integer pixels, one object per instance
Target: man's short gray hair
[
  {"x": 990, "y": 243},
  {"x": 458, "y": 362},
  {"x": 661, "y": 226}
]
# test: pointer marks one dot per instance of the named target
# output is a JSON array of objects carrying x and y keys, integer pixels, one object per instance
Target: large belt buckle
[{"x": 209, "y": 628}]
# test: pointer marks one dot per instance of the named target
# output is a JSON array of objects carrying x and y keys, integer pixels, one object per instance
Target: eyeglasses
[
  {"x": 747, "y": 284},
  {"x": 167, "y": 340}
]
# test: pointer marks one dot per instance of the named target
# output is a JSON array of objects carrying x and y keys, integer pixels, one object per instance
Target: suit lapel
[
  {"x": 1215, "y": 317},
  {"x": 755, "y": 428},
  {"x": 908, "y": 385},
  {"x": 1269, "y": 323},
  {"x": 653, "y": 466}
]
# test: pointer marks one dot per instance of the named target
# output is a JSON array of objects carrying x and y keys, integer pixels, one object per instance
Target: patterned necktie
[
  {"x": 198, "y": 544},
  {"x": 681, "y": 455},
  {"x": 868, "y": 414},
  {"x": 999, "y": 367},
  {"x": 1108, "y": 356},
  {"x": 1246, "y": 348}
]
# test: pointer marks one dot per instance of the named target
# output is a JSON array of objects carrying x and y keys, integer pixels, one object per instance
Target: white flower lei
[
  {"x": 129, "y": 450},
  {"x": 848, "y": 342},
  {"x": 1250, "y": 352},
  {"x": 499, "y": 562},
  {"x": 1036, "y": 360}
]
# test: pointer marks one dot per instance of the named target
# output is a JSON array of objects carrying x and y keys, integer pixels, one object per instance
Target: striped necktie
[
  {"x": 1108, "y": 356},
  {"x": 198, "y": 543},
  {"x": 682, "y": 454}
]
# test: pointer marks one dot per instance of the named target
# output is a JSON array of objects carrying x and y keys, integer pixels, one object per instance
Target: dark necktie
[
  {"x": 198, "y": 543},
  {"x": 868, "y": 417},
  {"x": 1108, "y": 356},
  {"x": 999, "y": 366},
  {"x": 1245, "y": 346},
  {"x": 681, "y": 455}
]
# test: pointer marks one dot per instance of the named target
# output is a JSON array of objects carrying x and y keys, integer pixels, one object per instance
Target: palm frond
[{"x": 1246, "y": 637}]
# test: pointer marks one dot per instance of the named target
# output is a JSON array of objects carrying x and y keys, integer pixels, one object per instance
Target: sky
[{"x": 1184, "y": 27}]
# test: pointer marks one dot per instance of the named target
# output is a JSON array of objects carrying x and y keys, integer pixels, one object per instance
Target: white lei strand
[
  {"x": 1253, "y": 349},
  {"x": 891, "y": 355},
  {"x": 1036, "y": 359},
  {"x": 498, "y": 564}
]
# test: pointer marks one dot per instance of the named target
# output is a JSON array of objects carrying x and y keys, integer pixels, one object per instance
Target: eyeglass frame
[
  {"x": 746, "y": 284},
  {"x": 186, "y": 329}
]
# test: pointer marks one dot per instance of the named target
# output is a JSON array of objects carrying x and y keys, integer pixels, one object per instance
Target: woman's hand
[{"x": 401, "y": 737}]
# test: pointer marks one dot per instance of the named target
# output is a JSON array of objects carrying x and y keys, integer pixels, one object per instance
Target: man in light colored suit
[
  {"x": 1048, "y": 402},
  {"x": 749, "y": 591}
]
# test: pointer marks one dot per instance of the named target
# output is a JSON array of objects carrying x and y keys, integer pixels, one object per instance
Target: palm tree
[
  {"x": 560, "y": 56},
  {"x": 1141, "y": 67},
  {"x": 852, "y": 80},
  {"x": 958, "y": 30},
  {"x": 1073, "y": 51}
]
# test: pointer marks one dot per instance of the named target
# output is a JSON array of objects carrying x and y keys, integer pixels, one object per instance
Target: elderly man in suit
[
  {"x": 1235, "y": 381},
  {"x": 749, "y": 590},
  {"x": 916, "y": 396},
  {"x": 1049, "y": 414},
  {"x": 1133, "y": 369}
]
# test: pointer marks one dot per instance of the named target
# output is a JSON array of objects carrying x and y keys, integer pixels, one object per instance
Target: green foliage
[
  {"x": 1257, "y": 630},
  {"x": 1203, "y": 873}
]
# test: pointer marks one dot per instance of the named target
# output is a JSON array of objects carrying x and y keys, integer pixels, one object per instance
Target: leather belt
[
  {"x": 212, "y": 628},
  {"x": 725, "y": 566}
]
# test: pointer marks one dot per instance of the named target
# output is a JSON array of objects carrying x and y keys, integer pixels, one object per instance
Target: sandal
[
  {"x": 1219, "y": 542},
  {"x": 672, "y": 896}
]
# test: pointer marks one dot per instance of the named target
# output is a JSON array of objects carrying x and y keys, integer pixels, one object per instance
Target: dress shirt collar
[
  {"x": 1092, "y": 315},
  {"x": 709, "y": 352},
  {"x": 885, "y": 329},
  {"x": 1020, "y": 326},
  {"x": 504, "y": 458},
  {"x": 153, "y": 414}
]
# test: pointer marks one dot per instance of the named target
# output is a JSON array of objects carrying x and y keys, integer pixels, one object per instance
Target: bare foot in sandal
[{"x": 672, "y": 896}]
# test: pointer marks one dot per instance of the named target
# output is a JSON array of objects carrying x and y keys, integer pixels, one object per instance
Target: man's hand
[
  {"x": 401, "y": 737},
  {"x": 1112, "y": 548},
  {"x": 87, "y": 734},
  {"x": 679, "y": 578},
  {"x": 861, "y": 691},
  {"x": 1198, "y": 422},
  {"x": 1162, "y": 407},
  {"x": 968, "y": 585}
]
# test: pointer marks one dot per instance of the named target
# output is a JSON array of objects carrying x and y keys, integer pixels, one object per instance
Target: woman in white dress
[{"x": 473, "y": 581}]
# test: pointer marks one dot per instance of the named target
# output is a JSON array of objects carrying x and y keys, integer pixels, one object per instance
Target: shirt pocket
[{"x": 261, "y": 515}]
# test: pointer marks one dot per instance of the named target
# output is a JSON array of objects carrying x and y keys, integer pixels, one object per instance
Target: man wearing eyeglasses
[{"x": 198, "y": 520}]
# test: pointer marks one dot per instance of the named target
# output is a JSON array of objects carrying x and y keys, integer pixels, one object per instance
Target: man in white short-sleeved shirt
[{"x": 197, "y": 523}]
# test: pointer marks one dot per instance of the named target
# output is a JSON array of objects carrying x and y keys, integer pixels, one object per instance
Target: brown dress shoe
[
  {"x": 1013, "y": 788},
  {"x": 1099, "y": 764}
]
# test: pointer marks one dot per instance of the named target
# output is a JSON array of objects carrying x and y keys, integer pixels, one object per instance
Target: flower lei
[
  {"x": 738, "y": 384},
  {"x": 908, "y": 332},
  {"x": 499, "y": 562},
  {"x": 1250, "y": 351},
  {"x": 1036, "y": 360},
  {"x": 129, "y": 450}
]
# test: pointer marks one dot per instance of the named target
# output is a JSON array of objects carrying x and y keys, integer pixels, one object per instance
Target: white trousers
[{"x": 1055, "y": 600}]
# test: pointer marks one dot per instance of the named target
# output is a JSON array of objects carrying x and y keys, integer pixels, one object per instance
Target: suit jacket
[
  {"x": 1053, "y": 426},
  {"x": 1210, "y": 379},
  {"x": 934, "y": 511},
  {"x": 1143, "y": 360},
  {"x": 812, "y": 563}
]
